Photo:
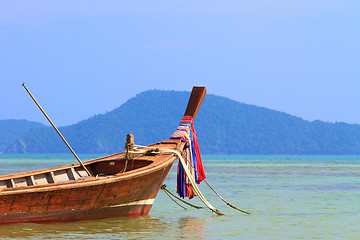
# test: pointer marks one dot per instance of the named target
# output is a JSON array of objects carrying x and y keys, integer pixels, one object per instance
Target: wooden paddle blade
[{"x": 196, "y": 98}]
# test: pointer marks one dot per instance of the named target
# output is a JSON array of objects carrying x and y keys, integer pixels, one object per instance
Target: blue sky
[{"x": 81, "y": 58}]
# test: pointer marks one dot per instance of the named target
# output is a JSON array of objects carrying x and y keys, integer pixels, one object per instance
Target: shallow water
[{"x": 289, "y": 197}]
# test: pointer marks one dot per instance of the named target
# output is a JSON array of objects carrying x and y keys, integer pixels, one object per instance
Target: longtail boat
[{"x": 121, "y": 184}]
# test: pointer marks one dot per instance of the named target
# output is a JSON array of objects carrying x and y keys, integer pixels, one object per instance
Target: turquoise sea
[{"x": 289, "y": 197}]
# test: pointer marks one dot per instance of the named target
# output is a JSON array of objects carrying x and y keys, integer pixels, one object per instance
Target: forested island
[{"x": 224, "y": 126}]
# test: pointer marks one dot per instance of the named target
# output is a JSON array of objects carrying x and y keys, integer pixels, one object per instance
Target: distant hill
[
  {"x": 11, "y": 130},
  {"x": 224, "y": 126}
]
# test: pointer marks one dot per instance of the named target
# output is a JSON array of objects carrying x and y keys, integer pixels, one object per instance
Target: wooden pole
[
  {"x": 53, "y": 125},
  {"x": 195, "y": 100}
]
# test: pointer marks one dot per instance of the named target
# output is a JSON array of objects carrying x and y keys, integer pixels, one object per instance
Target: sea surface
[{"x": 289, "y": 197}]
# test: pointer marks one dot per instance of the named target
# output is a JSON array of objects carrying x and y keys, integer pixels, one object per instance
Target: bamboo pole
[{"x": 53, "y": 125}]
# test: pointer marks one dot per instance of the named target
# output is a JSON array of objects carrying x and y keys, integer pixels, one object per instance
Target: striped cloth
[{"x": 191, "y": 153}]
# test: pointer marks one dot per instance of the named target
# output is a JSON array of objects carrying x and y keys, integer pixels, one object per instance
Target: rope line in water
[
  {"x": 192, "y": 181},
  {"x": 224, "y": 200},
  {"x": 210, "y": 207},
  {"x": 166, "y": 191},
  {"x": 163, "y": 187}
]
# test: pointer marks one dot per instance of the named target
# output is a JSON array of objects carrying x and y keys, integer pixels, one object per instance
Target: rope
[
  {"x": 163, "y": 187},
  {"x": 167, "y": 193},
  {"x": 229, "y": 204},
  {"x": 192, "y": 182},
  {"x": 224, "y": 200}
]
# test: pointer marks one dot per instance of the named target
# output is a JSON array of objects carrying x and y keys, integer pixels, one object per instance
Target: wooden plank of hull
[
  {"x": 126, "y": 194},
  {"x": 88, "y": 214},
  {"x": 126, "y": 198}
]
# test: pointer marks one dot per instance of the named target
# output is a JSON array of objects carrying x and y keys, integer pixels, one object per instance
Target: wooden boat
[{"x": 119, "y": 185}]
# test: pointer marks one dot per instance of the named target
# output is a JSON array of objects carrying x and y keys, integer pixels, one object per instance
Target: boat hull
[
  {"x": 130, "y": 197},
  {"x": 119, "y": 185}
]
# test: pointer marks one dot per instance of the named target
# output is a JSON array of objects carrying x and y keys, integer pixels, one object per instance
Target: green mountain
[
  {"x": 224, "y": 126},
  {"x": 11, "y": 130}
]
